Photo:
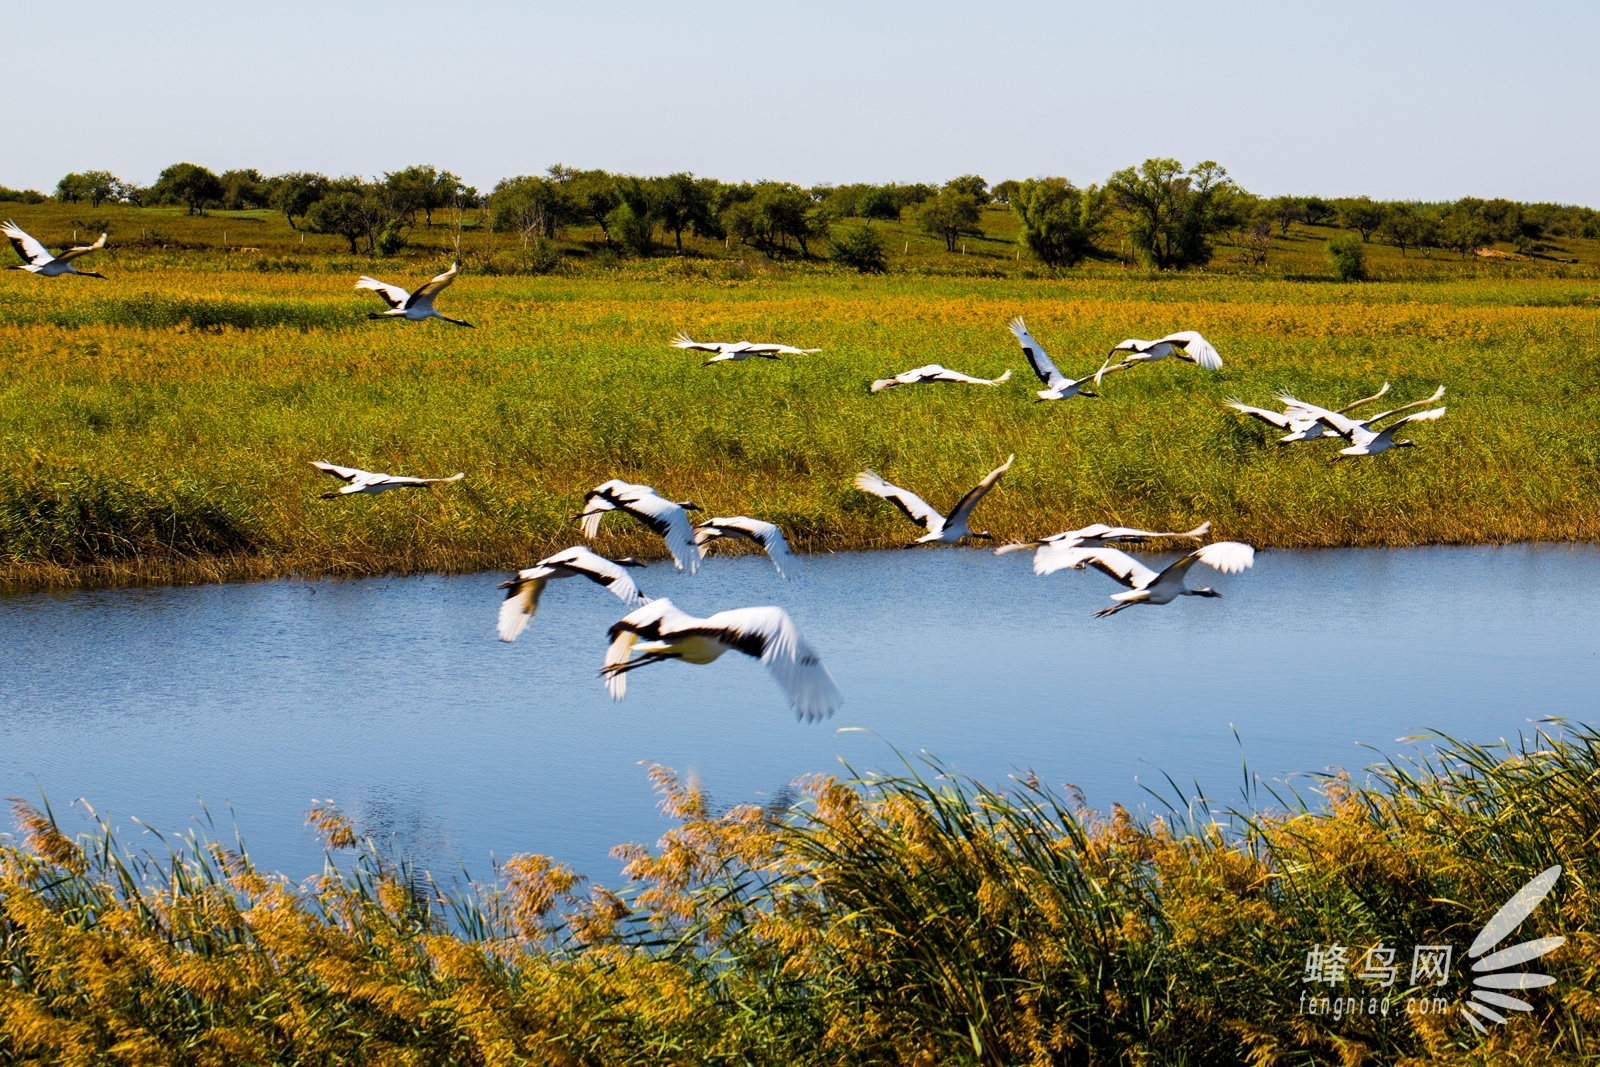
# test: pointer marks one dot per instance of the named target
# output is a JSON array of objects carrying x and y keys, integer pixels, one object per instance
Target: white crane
[
  {"x": 1057, "y": 386},
  {"x": 1146, "y": 586},
  {"x": 523, "y": 591},
  {"x": 1185, "y": 344},
  {"x": 414, "y": 307},
  {"x": 942, "y": 529},
  {"x": 668, "y": 519},
  {"x": 36, "y": 258},
  {"x": 361, "y": 481},
  {"x": 724, "y": 351},
  {"x": 659, "y": 631},
  {"x": 1056, "y": 551},
  {"x": 1365, "y": 442},
  {"x": 756, "y": 531},
  {"x": 1302, "y": 426},
  {"x": 1343, "y": 425},
  {"x": 933, "y": 372}
]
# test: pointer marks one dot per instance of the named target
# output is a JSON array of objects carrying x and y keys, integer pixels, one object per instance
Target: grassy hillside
[{"x": 159, "y": 424}]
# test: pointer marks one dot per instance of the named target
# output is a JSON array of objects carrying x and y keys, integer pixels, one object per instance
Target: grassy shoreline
[
  {"x": 157, "y": 427},
  {"x": 911, "y": 918}
]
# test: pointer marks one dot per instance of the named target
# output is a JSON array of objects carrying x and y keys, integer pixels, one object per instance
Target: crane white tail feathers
[{"x": 1226, "y": 557}]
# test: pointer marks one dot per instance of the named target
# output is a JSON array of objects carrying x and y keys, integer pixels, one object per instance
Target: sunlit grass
[
  {"x": 228, "y": 382},
  {"x": 913, "y": 918}
]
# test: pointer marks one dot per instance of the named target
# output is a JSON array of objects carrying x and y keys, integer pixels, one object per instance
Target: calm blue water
[{"x": 393, "y": 698}]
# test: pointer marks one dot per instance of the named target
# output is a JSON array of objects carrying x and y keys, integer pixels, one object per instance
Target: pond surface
[{"x": 393, "y": 698}]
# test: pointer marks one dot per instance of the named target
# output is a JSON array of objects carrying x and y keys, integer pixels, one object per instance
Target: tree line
[{"x": 1160, "y": 213}]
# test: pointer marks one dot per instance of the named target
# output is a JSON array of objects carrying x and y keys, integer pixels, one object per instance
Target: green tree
[
  {"x": 971, "y": 184},
  {"x": 1059, "y": 221},
  {"x": 189, "y": 184},
  {"x": 949, "y": 214},
  {"x": 529, "y": 204},
  {"x": 1462, "y": 229},
  {"x": 682, "y": 201},
  {"x": 633, "y": 221},
  {"x": 1347, "y": 257},
  {"x": 1402, "y": 226},
  {"x": 69, "y": 190},
  {"x": 95, "y": 186},
  {"x": 425, "y": 189},
  {"x": 1171, "y": 214},
  {"x": 22, "y": 196},
  {"x": 1007, "y": 189},
  {"x": 1362, "y": 214},
  {"x": 355, "y": 210},
  {"x": 880, "y": 202},
  {"x": 1318, "y": 212},
  {"x": 1285, "y": 211},
  {"x": 244, "y": 190},
  {"x": 786, "y": 212},
  {"x": 294, "y": 193},
  {"x": 593, "y": 194},
  {"x": 860, "y": 247}
]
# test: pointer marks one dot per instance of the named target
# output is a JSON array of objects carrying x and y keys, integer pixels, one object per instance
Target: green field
[{"x": 158, "y": 425}]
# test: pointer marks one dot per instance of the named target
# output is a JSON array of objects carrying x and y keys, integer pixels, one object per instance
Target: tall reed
[{"x": 909, "y": 918}]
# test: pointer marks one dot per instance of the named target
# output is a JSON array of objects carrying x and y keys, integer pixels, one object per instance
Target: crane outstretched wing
[
  {"x": 683, "y": 340},
  {"x": 80, "y": 250},
  {"x": 522, "y": 600},
  {"x": 964, "y": 506},
  {"x": 1037, "y": 359},
  {"x": 917, "y": 509},
  {"x": 765, "y": 534},
  {"x": 434, "y": 286},
  {"x": 393, "y": 295},
  {"x": 28, "y": 247},
  {"x": 607, "y": 573},
  {"x": 1197, "y": 348},
  {"x": 1271, "y": 418},
  {"x": 772, "y": 637},
  {"x": 1112, "y": 562},
  {"x": 348, "y": 474}
]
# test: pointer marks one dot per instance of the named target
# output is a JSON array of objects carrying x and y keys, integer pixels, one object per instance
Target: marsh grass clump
[
  {"x": 70, "y": 516},
  {"x": 910, "y": 918},
  {"x": 570, "y": 381},
  {"x": 158, "y": 313}
]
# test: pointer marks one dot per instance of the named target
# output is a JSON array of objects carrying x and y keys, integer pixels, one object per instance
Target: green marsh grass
[
  {"x": 911, "y": 918},
  {"x": 193, "y": 367}
]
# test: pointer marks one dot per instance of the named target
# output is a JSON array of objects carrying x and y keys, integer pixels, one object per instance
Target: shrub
[
  {"x": 22, "y": 196},
  {"x": 861, "y": 248},
  {"x": 391, "y": 240},
  {"x": 1347, "y": 257}
]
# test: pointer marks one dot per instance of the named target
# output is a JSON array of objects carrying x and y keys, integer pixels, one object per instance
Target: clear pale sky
[{"x": 1416, "y": 100}]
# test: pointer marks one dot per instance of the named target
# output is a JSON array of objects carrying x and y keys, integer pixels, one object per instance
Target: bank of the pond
[
  {"x": 906, "y": 919},
  {"x": 178, "y": 448}
]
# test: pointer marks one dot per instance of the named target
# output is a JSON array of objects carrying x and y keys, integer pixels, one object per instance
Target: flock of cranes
[{"x": 654, "y": 631}]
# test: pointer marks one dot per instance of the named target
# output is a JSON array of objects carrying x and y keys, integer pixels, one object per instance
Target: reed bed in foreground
[
  {"x": 913, "y": 918},
  {"x": 201, "y": 397}
]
